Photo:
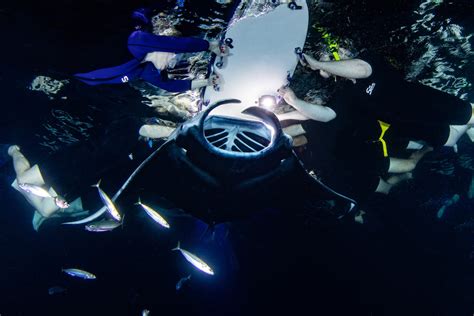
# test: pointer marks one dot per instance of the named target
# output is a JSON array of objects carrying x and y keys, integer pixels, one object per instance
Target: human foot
[{"x": 12, "y": 149}]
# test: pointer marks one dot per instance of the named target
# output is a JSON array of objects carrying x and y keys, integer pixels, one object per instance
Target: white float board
[{"x": 262, "y": 57}]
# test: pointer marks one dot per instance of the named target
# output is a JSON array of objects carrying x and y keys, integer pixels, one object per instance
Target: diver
[
  {"x": 379, "y": 90},
  {"x": 378, "y": 116},
  {"x": 348, "y": 131},
  {"x": 68, "y": 175},
  {"x": 45, "y": 206},
  {"x": 153, "y": 56}
]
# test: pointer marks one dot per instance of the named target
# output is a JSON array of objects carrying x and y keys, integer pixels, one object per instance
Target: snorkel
[{"x": 331, "y": 42}]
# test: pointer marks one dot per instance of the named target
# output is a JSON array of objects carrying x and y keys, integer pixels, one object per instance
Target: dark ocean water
[{"x": 403, "y": 262}]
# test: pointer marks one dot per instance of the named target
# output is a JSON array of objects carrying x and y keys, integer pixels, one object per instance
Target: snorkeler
[
  {"x": 72, "y": 171},
  {"x": 348, "y": 149},
  {"x": 46, "y": 202},
  {"x": 153, "y": 56},
  {"x": 377, "y": 89}
]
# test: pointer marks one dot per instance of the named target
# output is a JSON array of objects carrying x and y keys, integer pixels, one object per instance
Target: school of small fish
[
  {"x": 116, "y": 220},
  {"x": 109, "y": 225}
]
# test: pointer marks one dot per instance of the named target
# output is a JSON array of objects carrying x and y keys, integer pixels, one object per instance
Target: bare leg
[
  {"x": 155, "y": 131},
  {"x": 417, "y": 155},
  {"x": 299, "y": 141},
  {"x": 385, "y": 186},
  {"x": 398, "y": 165},
  {"x": 359, "y": 217},
  {"x": 455, "y": 132},
  {"x": 294, "y": 130},
  {"x": 20, "y": 163},
  {"x": 25, "y": 173},
  {"x": 396, "y": 179}
]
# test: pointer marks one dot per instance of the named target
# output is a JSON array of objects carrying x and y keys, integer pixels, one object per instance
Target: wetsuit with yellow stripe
[{"x": 413, "y": 110}]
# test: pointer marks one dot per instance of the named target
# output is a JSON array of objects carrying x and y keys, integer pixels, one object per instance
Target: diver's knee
[
  {"x": 410, "y": 165},
  {"x": 398, "y": 165}
]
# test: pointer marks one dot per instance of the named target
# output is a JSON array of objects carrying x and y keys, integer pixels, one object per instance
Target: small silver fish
[
  {"x": 194, "y": 260},
  {"x": 42, "y": 192},
  {"x": 56, "y": 290},
  {"x": 35, "y": 190},
  {"x": 103, "y": 226},
  {"x": 181, "y": 282},
  {"x": 153, "y": 214},
  {"x": 78, "y": 273},
  {"x": 108, "y": 203}
]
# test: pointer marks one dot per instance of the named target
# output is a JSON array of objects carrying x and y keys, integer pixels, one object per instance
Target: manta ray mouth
[
  {"x": 230, "y": 135},
  {"x": 235, "y": 148},
  {"x": 238, "y": 137}
]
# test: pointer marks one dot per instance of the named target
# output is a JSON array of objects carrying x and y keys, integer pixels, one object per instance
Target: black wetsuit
[
  {"x": 340, "y": 155},
  {"x": 413, "y": 110},
  {"x": 350, "y": 155}
]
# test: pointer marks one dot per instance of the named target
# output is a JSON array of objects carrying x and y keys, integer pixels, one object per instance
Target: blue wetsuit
[{"x": 140, "y": 44}]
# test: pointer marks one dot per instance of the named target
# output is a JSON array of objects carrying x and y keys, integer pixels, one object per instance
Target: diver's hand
[
  {"x": 288, "y": 95},
  {"x": 218, "y": 49},
  {"x": 316, "y": 65},
  {"x": 214, "y": 79}
]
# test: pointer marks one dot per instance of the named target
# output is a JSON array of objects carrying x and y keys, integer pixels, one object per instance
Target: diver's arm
[
  {"x": 182, "y": 85},
  {"x": 199, "y": 83},
  {"x": 218, "y": 49},
  {"x": 349, "y": 68},
  {"x": 315, "y": 112},
  {"x": 153, "y": 76},
  {"x": 293, "y": 115}
]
